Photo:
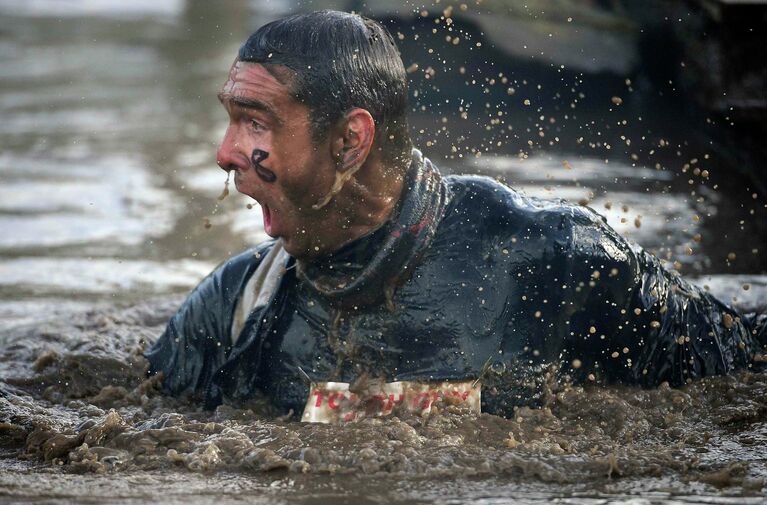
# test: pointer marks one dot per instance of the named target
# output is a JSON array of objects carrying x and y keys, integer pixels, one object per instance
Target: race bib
[{"x": 332, "y": 402}]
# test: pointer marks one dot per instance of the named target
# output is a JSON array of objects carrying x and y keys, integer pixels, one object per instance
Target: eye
[{"x": 254, "y": 123}]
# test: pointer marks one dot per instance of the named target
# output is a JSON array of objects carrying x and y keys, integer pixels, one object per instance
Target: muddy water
[
  {"x": 108, "y": 174},
  {"x": 80, "y": 419}
]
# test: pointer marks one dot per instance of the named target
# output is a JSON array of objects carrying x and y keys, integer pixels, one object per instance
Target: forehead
[{"x": 254, "y": 81}]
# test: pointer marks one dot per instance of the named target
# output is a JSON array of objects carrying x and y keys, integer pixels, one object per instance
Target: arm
[
  {"x": 633, "y": 321},
  {"x": 197, "y": 339}
]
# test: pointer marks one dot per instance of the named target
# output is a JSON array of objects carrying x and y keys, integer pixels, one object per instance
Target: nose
[{"x": 229, "y": 156}]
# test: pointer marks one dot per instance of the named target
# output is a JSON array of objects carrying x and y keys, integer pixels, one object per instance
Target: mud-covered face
[{"x": 269, "y": 146}]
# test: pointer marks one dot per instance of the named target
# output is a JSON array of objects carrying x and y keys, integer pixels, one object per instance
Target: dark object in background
[
  {"x": 724, "y": 54},
  {"x": 719, "y": 63}
]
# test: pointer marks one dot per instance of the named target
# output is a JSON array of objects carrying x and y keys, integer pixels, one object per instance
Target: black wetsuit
[{"x": 469, "y": 278}]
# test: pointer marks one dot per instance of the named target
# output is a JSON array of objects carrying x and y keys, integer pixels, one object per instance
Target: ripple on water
[
  {"x": 746, "y": 292},
  {"x": 99, "y": 275},
  {"x": 565, "y": 168},
  {"x": 113, "y": 200}
]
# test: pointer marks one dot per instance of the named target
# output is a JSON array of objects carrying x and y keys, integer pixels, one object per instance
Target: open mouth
[{"x": 267, "y": 218}]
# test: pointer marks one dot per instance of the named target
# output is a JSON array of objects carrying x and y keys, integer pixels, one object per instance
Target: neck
[{"x": 364, "y": 204}]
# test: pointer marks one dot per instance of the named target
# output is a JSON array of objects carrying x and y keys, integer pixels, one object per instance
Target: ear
[
  {"x": 350, "y": 147},
  {"x": 354, "y": 141}
]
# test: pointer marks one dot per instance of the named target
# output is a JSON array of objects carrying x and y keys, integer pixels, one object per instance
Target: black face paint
[{"x": 264, "y": 173}]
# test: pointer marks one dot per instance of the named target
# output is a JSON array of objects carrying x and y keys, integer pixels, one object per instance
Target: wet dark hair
[{"x": 340, "y": 61}]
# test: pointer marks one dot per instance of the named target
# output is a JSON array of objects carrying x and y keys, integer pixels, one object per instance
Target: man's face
[{"x": 269, "y": 146}]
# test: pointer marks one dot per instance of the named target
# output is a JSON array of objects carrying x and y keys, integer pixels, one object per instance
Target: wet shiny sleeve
[
  {"x": 630, "y": 320},
  {"x": 196, "y": 340}
]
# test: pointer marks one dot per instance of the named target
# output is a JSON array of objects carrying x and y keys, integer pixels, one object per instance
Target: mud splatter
[{"x": 225, "y": 191}]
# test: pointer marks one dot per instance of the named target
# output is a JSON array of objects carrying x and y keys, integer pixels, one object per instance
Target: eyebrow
[{"x": 250, "y": 103}]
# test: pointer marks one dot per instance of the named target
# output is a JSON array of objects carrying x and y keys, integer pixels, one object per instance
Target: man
[{"x": 389, "y": 285}]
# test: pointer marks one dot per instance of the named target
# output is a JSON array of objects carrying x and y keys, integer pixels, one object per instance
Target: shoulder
[
  {"x": 484, "y": 213},
  {"x": 497, "y": 209}
]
